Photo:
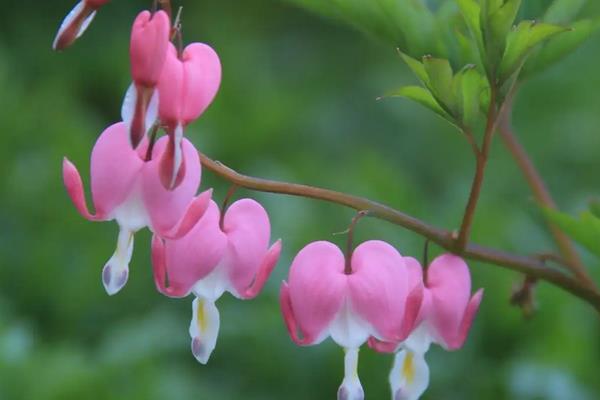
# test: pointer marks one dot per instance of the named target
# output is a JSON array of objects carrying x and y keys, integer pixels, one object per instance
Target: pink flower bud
[
  {"x": 76, "y": 22},
  {"x": 148, "y": 49},
  {"x": 188, "y": 84}
]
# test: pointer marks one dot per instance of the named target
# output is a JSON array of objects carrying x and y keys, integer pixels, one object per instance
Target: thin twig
[
  {"x": 529, "y": 265},
  {"x": 542, "y": 196},
  {"x": 481, "y": 158},
  {"x": 350, "y": 240}
]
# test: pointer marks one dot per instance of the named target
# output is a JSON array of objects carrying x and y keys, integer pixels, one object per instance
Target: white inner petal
[
  {"x": 132, "y": 214},
  {"x": 116, "y": 271},
  {"x": 348, "y": 329},
  {"x": 213, "y": 285},
  {"x": 351, "y": 389},
  {"x": 409, "y": 376},
  {"x": 420, "y": 339},
  {"x": 204, "y": 328}
]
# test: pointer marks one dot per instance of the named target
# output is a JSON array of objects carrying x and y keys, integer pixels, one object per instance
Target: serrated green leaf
[
  {"x": 416, "y": 67},
  {"x": 560, "y": 46},
  {"x": 563, "y": 11},
  {"x": 440, "y": 77},
  {"x": 424, "y": 97},
  {"x": 585, "y": 230},
  {"x": 521, "y": 41}
]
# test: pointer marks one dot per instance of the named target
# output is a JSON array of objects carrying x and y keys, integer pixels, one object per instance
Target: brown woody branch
[
  {"x": 542, "y": 196},
  {"x": 528, "y": 265}
]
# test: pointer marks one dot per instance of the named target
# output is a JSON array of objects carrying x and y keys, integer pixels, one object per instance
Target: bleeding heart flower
[
  {"x": 213, "y": 258},
  {"x": 322, "y": 300},
  {"x": 445, "y": 318},
  {"x": 76, "y": 22},
  {"x": 188, "y": 84},
  {"x": 148, "y": 50},
  {"x": 127, "y": 189}
]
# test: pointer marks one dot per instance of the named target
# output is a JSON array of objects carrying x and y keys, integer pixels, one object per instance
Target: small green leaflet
[
  {"x": 585, "y": 230},
  {"x": 521, "y": 41}
]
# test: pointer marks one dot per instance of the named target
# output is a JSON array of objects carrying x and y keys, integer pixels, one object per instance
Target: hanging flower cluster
[
  {"x": 141, "y": 181},
  {"x": 369, "y": 295},
  {"x": 376, "y": 295}
]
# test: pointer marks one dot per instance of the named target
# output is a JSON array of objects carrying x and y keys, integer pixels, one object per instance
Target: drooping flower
[
  {"x": 322, "y": 299},
  {"x": 126, "y": 188},
  {"x": 188, "y": 84},
  {"x": 148, "y": 50},
  {"x": 76, "y": 22},
  {"x": 445, "y": 318},
  {"x": 218, "y": 255}
]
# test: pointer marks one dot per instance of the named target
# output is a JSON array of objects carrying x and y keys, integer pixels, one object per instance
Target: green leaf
[
  {"x": 469, "y": 83},
  {"x": 563, "y": 11},
  {"x": 502, "y": 20},
  {"x": 561, "y": 46},
  {"x": 585, "y": 230},
  {"x": 424, "y": 97},
  {"x": 416, "y": 67},
  {"x": 471, "y": 13},
  {"x": 595, "y": 207},
  {"x": 440, "y": 77},
  {"x": 521, "y": 41}
]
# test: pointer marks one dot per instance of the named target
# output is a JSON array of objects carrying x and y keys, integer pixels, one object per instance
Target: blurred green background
[{"x": 297, "y": 103}]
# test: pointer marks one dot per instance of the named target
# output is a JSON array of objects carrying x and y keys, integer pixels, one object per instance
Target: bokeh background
[{"x": 297, "y": 103}]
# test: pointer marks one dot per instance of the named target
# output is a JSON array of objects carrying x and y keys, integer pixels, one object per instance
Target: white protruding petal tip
[
  {"x": 116, "y": 270},
  {"x": 114, "y": 278},
  {"x": 409, "y": 377},
  {"x": 204, "y": 329},
  {"x": 351, "y": 389}
]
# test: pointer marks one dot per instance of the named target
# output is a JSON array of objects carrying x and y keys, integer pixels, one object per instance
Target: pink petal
[
  {"x": 467, "y": 321},
  {"x": 203, "y": 78},
  {"x": 289, "y": 318},
  {"x": 188, "y": 85},
  {"x": 194, "y": 212},
  {"x": 74, "y": 186},
  {"x": 248, "y": 231},
  {"x": 115, "y": 168},
  {"x": 264, "y": 271},
  {"x": 138, "y": 115},
  {"x": 449, "y": 283},
  {"x": 414, "y": 304},
  {"x": 171, "y": 86},
  {"x": 167, "y": 207},
  {"x": 159, "y": 265},
  {"x": 381, "y": 346},
  {"x": 415, "y": 272},
  {"x": 73, "y": 26},
  {"x": 379, "y": 287},
  {"x": 148, "y": 47},
  {"x": 317, "y": 289},
  {"x": 191, "y": 258},
  {"x": 96, "y": 4}
]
